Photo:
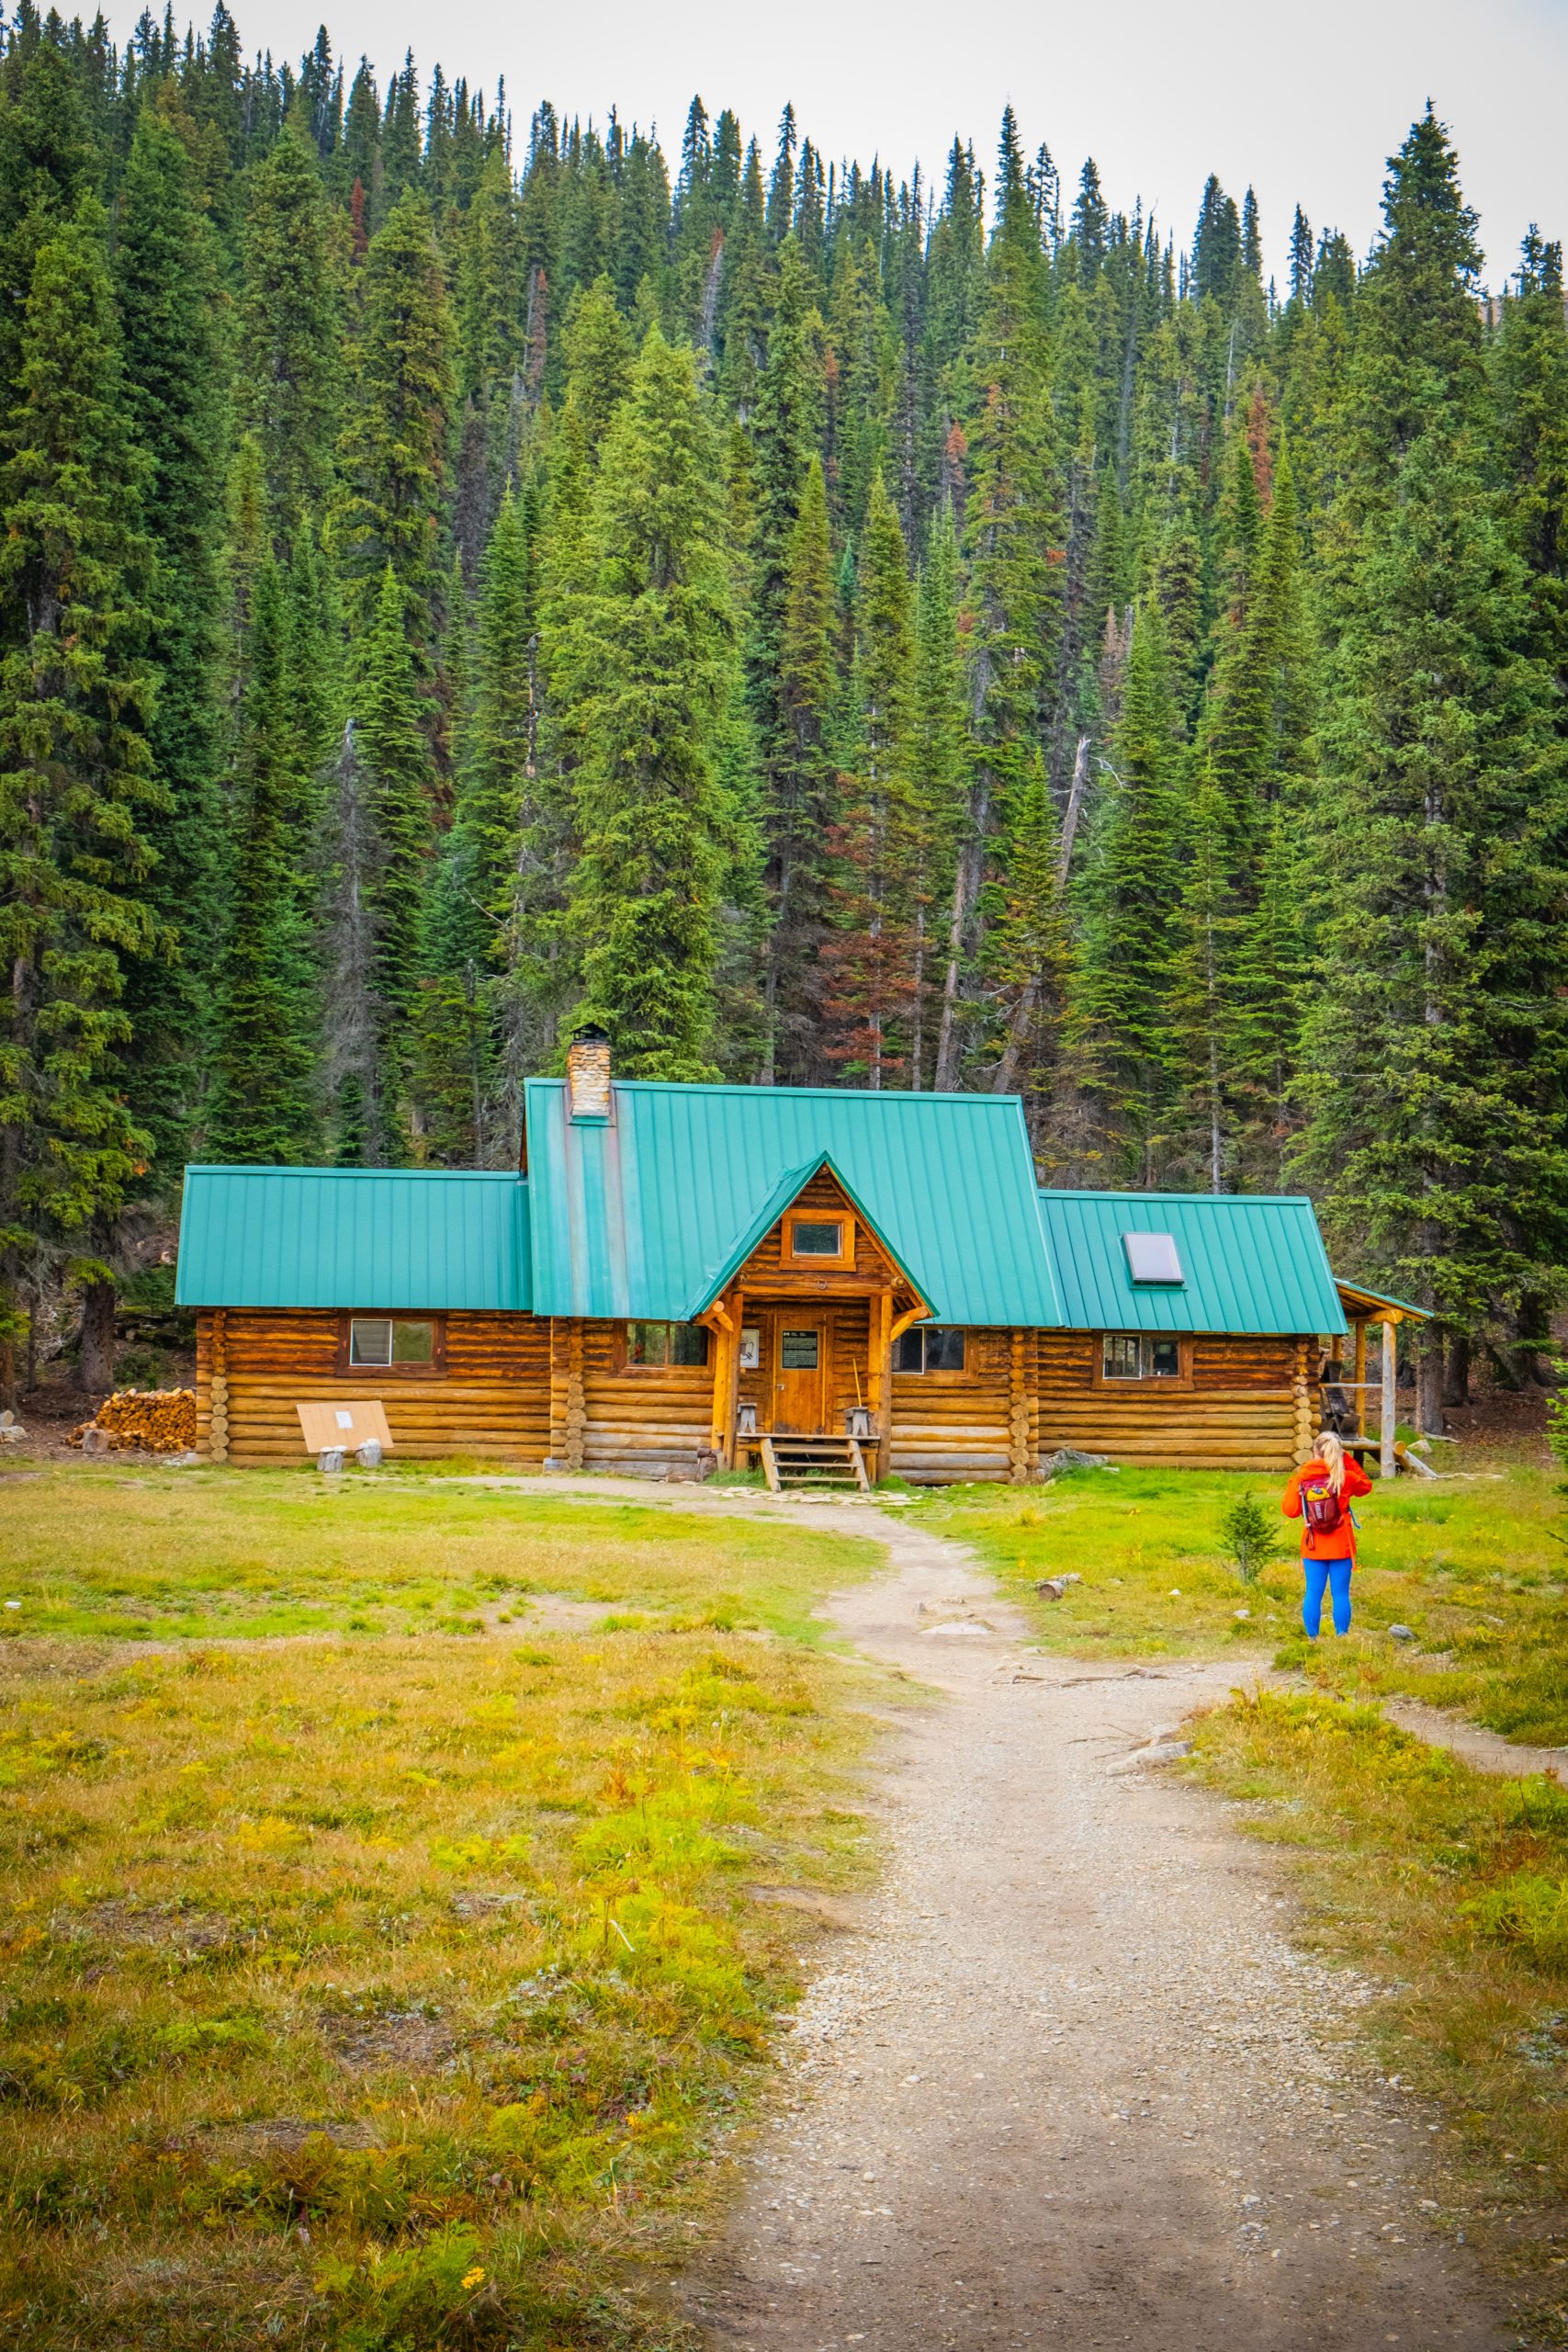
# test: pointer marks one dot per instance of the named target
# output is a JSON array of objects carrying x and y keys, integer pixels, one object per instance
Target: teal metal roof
[
  {"x": 318, "y": 1237},
  {"x": 1250, "y": 1262},
  {"x": 643, "y": 1215}
]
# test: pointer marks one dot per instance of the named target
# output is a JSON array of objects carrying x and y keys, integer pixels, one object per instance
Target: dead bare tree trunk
[{"x": 1075, "y": 805}]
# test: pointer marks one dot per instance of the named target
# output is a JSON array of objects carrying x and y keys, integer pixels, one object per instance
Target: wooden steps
[{"x": 814, "y": 1461}]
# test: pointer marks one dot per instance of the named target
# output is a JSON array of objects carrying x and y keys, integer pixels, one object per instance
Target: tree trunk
[
  {"x": 95, "y": 1360},
  {"x": 1429, "y": 1380},
  {"x": 1456, "y": 1373}
]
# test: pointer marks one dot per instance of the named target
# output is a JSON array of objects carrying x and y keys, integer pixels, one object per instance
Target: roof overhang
[{"x": 1375, "y": 1307}]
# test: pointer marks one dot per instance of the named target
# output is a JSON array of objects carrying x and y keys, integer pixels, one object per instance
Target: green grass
[
  {"x": 115, "y": 1551},
  {"x": 1472, "y": 1568},
  {"x": 1452, "y": 1887},
  {"x": 370, "y": 1992}
]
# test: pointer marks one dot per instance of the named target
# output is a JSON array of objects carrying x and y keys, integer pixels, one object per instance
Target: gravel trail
[{"x": 1067, "y": 2083}]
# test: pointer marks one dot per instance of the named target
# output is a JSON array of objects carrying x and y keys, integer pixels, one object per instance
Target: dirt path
[{"x": 1068, "y": 2083}]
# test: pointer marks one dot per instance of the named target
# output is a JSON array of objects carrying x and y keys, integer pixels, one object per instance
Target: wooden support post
[
  {"x": 723, "y": 1341},
  {"x": 727, "y": 1342},
  {"x": 1359, "y": 1376},
  {"x": 881, "y": 1379},
  {"x": 732, "y": 1387},
  {"x": 1389, "y": 1404}
]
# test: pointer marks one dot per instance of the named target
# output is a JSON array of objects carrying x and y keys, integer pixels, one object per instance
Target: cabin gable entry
[
  {"x": 806, "y": 1316},
  {"x": 686, "y": 1271}
]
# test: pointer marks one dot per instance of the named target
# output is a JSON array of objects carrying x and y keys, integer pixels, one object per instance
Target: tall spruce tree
[
  {"x": 264, "y": 1061},
  {"x": 394, "y": 448},
  {"x": 391, "y": 748},
  {"x": 1029, "y": 953},
  {"x": 800, "y": 771},
  {"x": 170, "y": 296},
  {"x": 287, "y": 381},
  {"x": 76, "y": 781},
  {"x": 786, "y": 427},
  {"x": 938, "y": 764},
  {"x": 646, "y": 662},
  {"x": 1011, "y": 527},
  {"x": 1437, "y": 1045},
  {"x": 1119, "y": 1023},
  {"x": 878, "y": 841}
]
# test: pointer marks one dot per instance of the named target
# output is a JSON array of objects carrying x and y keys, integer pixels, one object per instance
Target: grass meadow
[
  {"x": 391, "y": 1987},
  {"x": 385, "y": 1866}
]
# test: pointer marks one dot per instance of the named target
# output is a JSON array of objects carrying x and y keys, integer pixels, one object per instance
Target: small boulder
[{"x": 1402, "y": 1632}]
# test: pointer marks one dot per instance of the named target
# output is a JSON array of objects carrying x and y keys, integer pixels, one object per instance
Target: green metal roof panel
[
  {"x": 320, "y": 1237},
  {"x": 642, "y": 1217},
  {"x": 1249, "y": 1262}
]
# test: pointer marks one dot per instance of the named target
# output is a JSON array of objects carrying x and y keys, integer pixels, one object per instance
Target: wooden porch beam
[{"x": 1386, "y": 1463}]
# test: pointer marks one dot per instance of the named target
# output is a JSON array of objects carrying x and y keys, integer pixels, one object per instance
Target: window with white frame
[{"x": 1139, "y": 1355}]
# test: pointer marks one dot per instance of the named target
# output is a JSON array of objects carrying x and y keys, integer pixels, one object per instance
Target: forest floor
[{"x": 1259, "y": 2045}]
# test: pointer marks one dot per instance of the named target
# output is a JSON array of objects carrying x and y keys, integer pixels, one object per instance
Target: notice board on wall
[{"x": 349, "y": 1423}]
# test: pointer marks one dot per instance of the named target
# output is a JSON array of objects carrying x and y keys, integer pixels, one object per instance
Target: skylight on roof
[{"x": 1152, "y": 1258}]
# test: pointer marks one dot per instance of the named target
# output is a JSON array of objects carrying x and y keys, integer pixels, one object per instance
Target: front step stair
[{"x": 814, "y": 1461}]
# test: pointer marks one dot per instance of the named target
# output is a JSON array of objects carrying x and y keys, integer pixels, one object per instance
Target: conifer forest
[{"x": 468, "y": 575}]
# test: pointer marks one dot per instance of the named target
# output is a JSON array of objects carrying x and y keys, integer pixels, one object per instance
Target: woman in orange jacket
[{"x": 1319, "y": 1495}]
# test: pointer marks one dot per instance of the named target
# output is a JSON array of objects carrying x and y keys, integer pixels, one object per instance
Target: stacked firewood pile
[{"x": 160, "y": 1421}]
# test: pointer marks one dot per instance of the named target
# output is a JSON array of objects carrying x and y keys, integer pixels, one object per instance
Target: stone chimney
[{"x": 588, "y": 1074}]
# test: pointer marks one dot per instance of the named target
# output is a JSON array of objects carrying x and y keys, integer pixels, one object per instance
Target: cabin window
[
  {"x": 388, "y": 1340},
  {"x": 820, "y": 1241},
  {"x": 1127, "y": 1356},
  {"x": 929, "y": 1347},
  {"x": 652, "y": 1346}
]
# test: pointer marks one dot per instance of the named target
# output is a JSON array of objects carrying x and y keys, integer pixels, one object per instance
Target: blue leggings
[{"x": 1335, "y": 1576}]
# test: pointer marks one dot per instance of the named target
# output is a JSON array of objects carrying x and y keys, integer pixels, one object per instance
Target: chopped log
[{"x": 162, "y": 1420}]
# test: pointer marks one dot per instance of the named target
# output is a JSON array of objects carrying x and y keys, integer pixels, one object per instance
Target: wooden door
[{"x": 800, "y": 1371}]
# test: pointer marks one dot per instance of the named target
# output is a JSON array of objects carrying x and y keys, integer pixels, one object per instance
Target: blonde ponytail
[{"x": 1331, "y": 1453}]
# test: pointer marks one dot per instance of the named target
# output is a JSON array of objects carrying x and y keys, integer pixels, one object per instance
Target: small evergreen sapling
[{"x": 1250, "y": 1536}]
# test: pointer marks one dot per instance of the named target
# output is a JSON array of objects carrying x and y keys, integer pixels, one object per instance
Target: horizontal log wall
[
  {"x": 954, "y": 1425},
  {"x": 645, "y": 1421},
  {"x": 493, "y": 1400},
  {"x": 1244, "y": 1409},
  {"x": 1251, "y": 1405}
]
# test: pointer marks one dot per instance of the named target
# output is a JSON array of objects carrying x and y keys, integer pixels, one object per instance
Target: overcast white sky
[{"x": 1303, "y": 102}]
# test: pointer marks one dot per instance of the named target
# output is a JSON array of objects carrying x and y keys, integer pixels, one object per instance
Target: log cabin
[{"x": 817, "y": 1282}]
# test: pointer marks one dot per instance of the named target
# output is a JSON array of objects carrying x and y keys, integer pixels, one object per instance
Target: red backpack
[{"x": 1320, "y": 1506}]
